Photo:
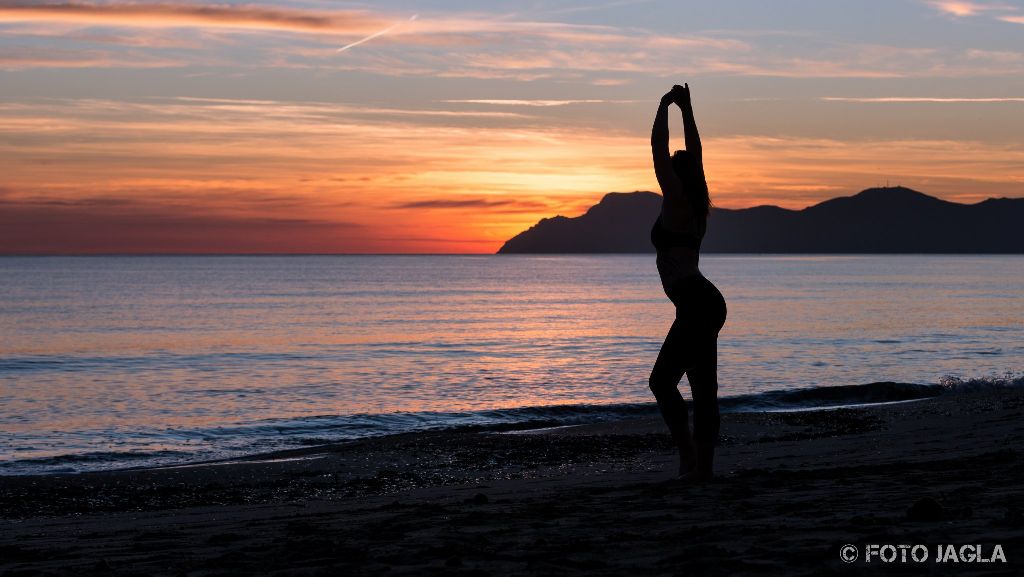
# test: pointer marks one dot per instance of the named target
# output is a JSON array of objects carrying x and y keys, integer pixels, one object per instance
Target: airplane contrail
[{"x": 376, "y": 34}]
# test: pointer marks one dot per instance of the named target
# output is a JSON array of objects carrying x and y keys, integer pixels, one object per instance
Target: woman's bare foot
[
  {"x": 687, "y": 458},
  {"x": 702, "y": 469}
]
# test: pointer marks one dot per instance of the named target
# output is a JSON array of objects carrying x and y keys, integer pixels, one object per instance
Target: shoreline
[
  {"x": 592, "y": 499},
  {"x": 524, "y": 419}
]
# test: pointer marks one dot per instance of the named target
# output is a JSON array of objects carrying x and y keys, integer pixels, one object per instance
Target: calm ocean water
[{"x": 123, "y": 361}]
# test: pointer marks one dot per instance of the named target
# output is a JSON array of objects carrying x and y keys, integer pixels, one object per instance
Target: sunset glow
[{"x": 303, "y": 127}]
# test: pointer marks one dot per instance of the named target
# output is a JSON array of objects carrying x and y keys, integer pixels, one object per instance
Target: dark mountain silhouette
[{"x": 877, "y": 220}]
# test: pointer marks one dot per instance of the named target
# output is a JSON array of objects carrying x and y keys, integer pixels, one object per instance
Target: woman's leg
[
  {"x": 703, "y": 379},
  {"x": 664, "y": 383}
]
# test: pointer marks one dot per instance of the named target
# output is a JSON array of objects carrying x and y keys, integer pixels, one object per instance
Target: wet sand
[{"x": 591, "y": 500}]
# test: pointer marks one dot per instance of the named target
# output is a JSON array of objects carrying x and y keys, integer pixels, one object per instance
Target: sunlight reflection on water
[{"x": 110, "y": 354}]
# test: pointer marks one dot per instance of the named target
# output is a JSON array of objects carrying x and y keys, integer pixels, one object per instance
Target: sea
[{"x": 110, "y": 362}]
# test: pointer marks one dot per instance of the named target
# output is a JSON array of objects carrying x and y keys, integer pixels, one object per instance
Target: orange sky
[{"x": 178, "y": 127}]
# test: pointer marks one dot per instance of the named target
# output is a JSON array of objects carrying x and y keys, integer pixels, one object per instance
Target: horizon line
[{"x": 477, "y": 254}]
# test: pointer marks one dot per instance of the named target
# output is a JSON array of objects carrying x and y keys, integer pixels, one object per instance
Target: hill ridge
[{"x": 875, "y": 220}]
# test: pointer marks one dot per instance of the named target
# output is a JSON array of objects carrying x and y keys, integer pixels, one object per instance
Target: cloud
[
  {"x": 898, "y": 99},
  {"x": 961, "y": 9},
  {"x": 538, "y": 103},
  {"x": 125, "y": 225},
  {"x": 595, "y": 6},
  {"x": 503, "y": 204},
  {"x": 146, "y": 38},
  {"x": 823, "y": 58},
  {"x": 20, "y": 57},
  {"x": 314, "y": 161},
  {"x": 343, "y": 110},
  {"x": 474, "y": 44},
  {"x": 956, "y": 8},
  {"x": 996, "y": 56},
  {"x": 964, "y": 8},
  {"x": 171, "y": 15},
  {"x": 467, "y": 29},
  {"x": 873, "y": 61},
  {"x": 463, "y": 44},
  {"x": 443, "y": 241},
  {"x": 794, "y": 171},
  {"x": 286, "y": 166}
]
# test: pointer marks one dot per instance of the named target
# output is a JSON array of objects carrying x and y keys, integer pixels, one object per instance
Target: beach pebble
[{"x": 926, "y": 509}]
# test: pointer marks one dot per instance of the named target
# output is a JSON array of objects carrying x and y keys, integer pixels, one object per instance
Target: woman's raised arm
[
  {"x": 689, "y": 124},
  {"x": 667, "y": 178}
]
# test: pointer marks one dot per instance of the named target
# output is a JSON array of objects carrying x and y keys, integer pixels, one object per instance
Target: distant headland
[{"x": 876, "y": 220}]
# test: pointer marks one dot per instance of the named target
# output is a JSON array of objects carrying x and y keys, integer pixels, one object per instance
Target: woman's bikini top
[{"x": 664, "y": 239}]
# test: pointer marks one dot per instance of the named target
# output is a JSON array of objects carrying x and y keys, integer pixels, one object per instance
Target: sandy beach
[{"x": 793, "y": 488}]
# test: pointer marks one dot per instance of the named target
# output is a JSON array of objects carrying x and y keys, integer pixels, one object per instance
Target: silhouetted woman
[{"x": 691, "y": 344}]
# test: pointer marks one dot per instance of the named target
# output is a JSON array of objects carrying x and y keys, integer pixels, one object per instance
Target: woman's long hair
[{"x": 694, "y": 186}]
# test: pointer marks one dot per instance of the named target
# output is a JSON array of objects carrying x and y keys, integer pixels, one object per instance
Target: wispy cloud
[
  {"x": 468, "y": 45},
  {"x": 468, "y": 29},
  {"x": 302, "y": 170},
  {"x": 961, "y": 9},
  {"x": 129, "y": 225},
  {"x": 996, "y": 56},
  {"x": 593, "y": 6},
  {"x": 462, "y": 44},
  {"x": 907, "y": 99},
  {"x": 476, "y": 45},
  {"x": 171, "y": 15},
  {"x": 494, "y": 204},
  {"x": 338, "y": 110},
  {"x": 387, "y": 167},
  {"x": 795, "y": 172},
  {"x": 964, "y": 8},
  {"x": 20, "y": 57},
  {"x": 537, "y": 103}
]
